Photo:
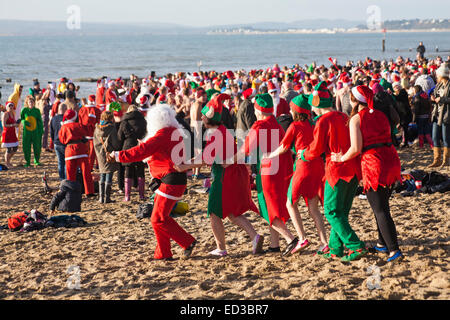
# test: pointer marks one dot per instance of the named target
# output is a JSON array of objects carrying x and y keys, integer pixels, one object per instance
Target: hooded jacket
[
  {"x": 107, "y": 134},
  {"x": 132, "y": 127},
  {"x": 68, "y": 198}
]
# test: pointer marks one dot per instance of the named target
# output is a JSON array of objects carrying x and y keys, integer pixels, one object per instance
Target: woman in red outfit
[
  {"x": 308, "y": 178},
  {"x": 380, "y": 164},
  {"x": 164, "y": 141},
  {"x": 9, "y": 137}
]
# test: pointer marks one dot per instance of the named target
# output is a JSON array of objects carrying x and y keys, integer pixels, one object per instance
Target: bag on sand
[
  {"x": 144, "y": 210},
  {"x": 16, "y": 221},
  {"x": 35, "y": 221}
]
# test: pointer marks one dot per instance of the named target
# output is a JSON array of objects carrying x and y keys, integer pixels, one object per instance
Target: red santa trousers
[
  {"x": 164, "y": 226},
  {"x": 71, "y": 173}
]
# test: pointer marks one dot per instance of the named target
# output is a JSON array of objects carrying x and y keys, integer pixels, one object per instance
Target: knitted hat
[
  {"x": 213, "y": 109},
  {"x": 300, "y": 104},
  {"x": 69, "y": 116},
  {"x": 363, "y": 94},
  {"x": 264, "y": 103},
  {"x": 443, "y": 71},
  {"x": 320, "y": 98}
]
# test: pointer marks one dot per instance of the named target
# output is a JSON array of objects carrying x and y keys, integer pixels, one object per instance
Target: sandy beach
[{"x": 113, "y": 253}]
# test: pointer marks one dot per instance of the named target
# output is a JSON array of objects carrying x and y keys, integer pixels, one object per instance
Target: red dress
[
  {"x": 230, "y": 192},
  {"x": 380, "y": 165},
  {"x": 308, "y": 180},
  {"x": 9, "y": 137},
  {"x": 274, "y": 175}
]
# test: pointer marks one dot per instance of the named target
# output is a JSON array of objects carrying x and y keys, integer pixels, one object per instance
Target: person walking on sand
[
  {"x": 9, "y": 136},
  {"x": 331, "y": 134},
  {"x": 32, "y": 131},
  {"x": 370, "y": 136},
  {"x": 158, "y": 147},
  {"x": 230, "y": 193},
  {"x": 273, "y": 175},
  {"x": 307, "y": 181}
]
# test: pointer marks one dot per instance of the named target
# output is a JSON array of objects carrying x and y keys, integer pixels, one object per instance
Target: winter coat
[
  {"x": 68, "y": 198},
  {"x": 441, "y": 110},
  {"x": 403, "y": 108},
  {"x": 132, "y": 127},
  {"x": 108, "y": 134}
]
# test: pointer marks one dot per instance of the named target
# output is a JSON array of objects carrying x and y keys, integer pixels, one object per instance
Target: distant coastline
[{"x": 320, "y": 31}]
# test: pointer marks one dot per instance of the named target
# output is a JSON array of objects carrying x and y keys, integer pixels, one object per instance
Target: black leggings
[{"x": 379, "y": 201}]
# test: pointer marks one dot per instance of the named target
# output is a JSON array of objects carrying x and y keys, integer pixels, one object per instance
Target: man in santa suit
[
  {"x": 280, "y": 105},
  {"x": 73, "y": 135},
  {"x": 163, "y": 141},
  {"x": 89, "y": 116},
  {"x": 100, "y": 95},
  {"x": 110, "y": 94},
  {"x": 143, "y": 102}
]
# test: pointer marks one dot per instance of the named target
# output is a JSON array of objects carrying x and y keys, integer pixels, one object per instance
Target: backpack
[
  {"x": 144, "y": 210},
  {"x": 16, "y": 221}
]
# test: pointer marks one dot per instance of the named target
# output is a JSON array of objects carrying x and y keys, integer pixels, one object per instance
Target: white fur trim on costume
[
  {"x": 168, "y": 196},
  {"x": 92, "y": 116},
  {"x": 77, "y": 157},
  {"x": 10, "y": 144},
  {"x": 315, "y": 93},
  {"x": 358, "y": 95}
]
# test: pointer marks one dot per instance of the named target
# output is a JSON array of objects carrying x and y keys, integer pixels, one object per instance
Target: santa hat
[
  {"x": 264, "y": 103},
  {"x": 346, "y": 80},
  {"x": 69, "y": 116},
  {"x": 213, "y": 109},
  {"x": 248, "y": 93},
  {"x": 320, "y": 98},
  {"x": 363, "y": 94},
  {"x": 298, "y": 87},
  {"x": 229, "y": 74},
  {"x": 376, "y": 77},
  {"x": 271, "y": 86},
  {"x": 8, "y": 103},
  {"x": 300, "y": 104},
  {"x": 91, "y": 100},
  {"x": 162, "y": 98}
]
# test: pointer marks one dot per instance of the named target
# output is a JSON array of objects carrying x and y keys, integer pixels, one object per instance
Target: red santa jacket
[
  {"x": 100, "y": 98},
  {"x": 71, "y": 135},
  {"x": 331, "y": 134},
  {"x": 89, "y": 116},
  {"x": 282, "y": 108},
  {"x": 159, "y": 151},
  {"x": 110, "y": 96}
]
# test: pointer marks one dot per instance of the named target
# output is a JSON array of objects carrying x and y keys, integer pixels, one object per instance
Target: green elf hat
[
  {"x": 194, "y": 85},
  {"x": 300, "y": 104},
  {"x": 264, "y": 103},
  {"x": 320, "y": 98},
  {"x": 210, "y": 93},
  {"x": 213, "y": 109}
]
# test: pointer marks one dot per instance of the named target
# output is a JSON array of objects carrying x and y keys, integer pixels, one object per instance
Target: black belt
[
  {"x": 174, "y": 179},
  {"x": 376, "y": 145}
]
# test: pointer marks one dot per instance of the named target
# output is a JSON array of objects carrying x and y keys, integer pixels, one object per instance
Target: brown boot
[
  {"x": 436, "y": 158},
  {"x": 446, "y": 158}
]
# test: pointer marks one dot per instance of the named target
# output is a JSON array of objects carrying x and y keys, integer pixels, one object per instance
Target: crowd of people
[{"x": 330, "y": 128}]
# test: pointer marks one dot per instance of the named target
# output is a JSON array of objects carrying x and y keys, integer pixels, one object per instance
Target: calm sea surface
[{"x": 50, "y": 58}]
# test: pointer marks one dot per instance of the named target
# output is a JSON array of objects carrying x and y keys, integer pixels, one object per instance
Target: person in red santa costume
[
  {"x": 100, "y": 95},
  {"x": 73, "y": 135},
  {"x": 89, "y": 116},
  {"x": 164, "y": 138},
  {"x": 280, "y": 105},
  {"x": 110, "y": 94}
]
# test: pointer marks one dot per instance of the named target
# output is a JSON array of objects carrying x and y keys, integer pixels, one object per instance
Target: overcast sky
[{"x": 213, "y": 12}]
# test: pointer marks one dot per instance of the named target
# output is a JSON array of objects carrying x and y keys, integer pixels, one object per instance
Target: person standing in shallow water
[{"x": 380, "y": 165}]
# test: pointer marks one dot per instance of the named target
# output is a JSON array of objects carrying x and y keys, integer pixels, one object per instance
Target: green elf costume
[
  {"x": 332, "y": 135},
  {"x": 33, "y": 129}
]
